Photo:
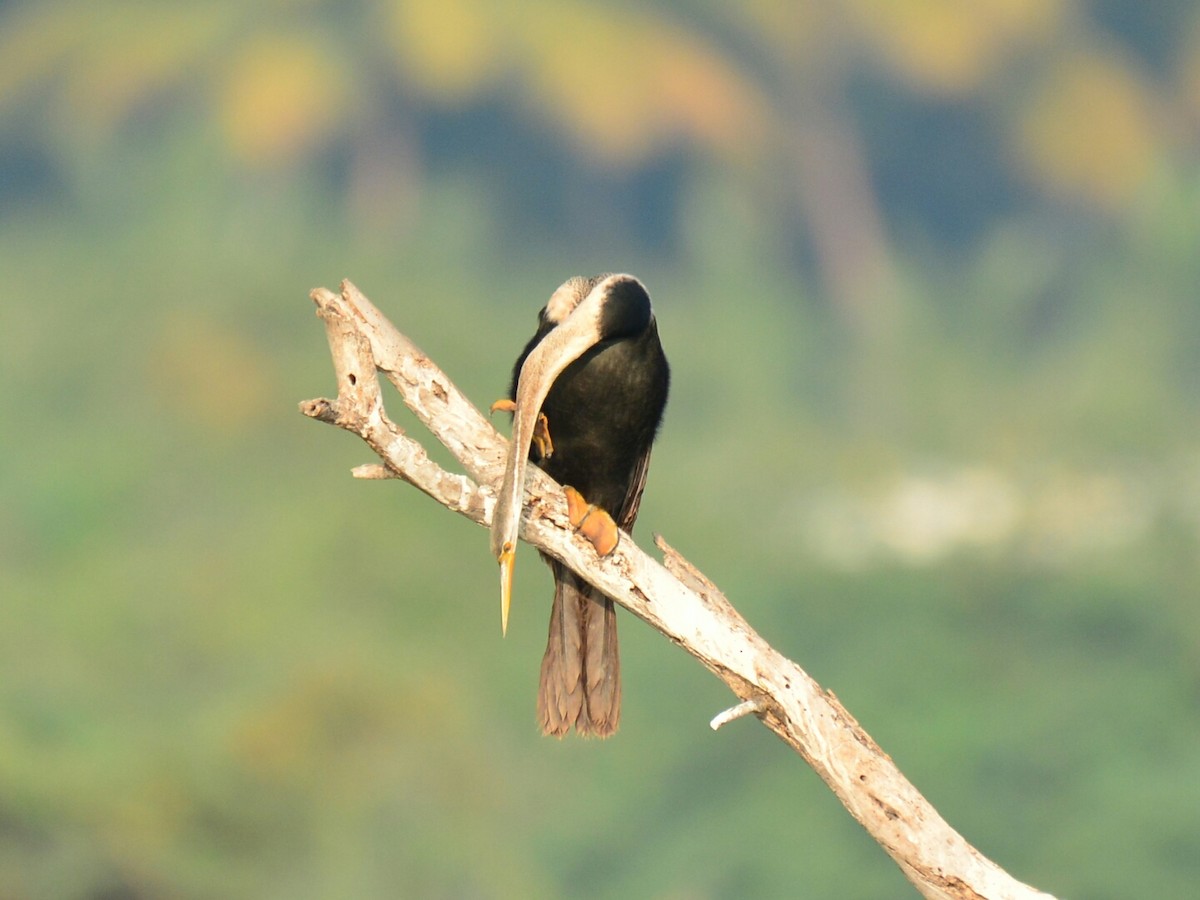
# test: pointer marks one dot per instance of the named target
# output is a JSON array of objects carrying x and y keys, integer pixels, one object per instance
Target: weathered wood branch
[{"x": 674, "y": 598}]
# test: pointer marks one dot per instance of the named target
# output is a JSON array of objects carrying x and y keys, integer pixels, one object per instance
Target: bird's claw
[
  {"x": 592, "y": 522},
  {"x": 541, "y": 431}
]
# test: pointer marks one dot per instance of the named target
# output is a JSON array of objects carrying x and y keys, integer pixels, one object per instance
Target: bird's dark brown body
[{"x": 602, "y": 413}]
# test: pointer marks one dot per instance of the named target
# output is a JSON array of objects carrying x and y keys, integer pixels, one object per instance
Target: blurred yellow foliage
[
  {"x": 624, "y": 82},
  {"x": 33, "y": 44},
  {"x": 620, "y": 81},
  {"x": 282, "y": 96},
  {"x": 131, "y": 56},
  {"x": 107, "y": 60},
  {"x": 947, "y": 46},
  {"x": 799, "y": 33},
  {"x": 1091, "y": 131},
  {"x": 708, "y": 99},
  {"x": 448, "y": 48}
]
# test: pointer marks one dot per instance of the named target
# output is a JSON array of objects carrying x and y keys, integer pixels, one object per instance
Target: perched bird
[{"x": 587, "y": 394}]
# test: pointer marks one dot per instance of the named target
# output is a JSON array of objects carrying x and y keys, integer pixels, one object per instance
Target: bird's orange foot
[
  {"x": 592, "y": 522},
  {"x": 541, "y": 431}
]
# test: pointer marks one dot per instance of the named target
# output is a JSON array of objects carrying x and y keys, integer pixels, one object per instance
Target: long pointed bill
[
  {"x": 507, "y": 557},
  {"x": 558, "y": 349}
]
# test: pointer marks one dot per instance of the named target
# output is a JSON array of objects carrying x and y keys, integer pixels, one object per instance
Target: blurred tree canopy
[{"x": 1066, "y": 108}]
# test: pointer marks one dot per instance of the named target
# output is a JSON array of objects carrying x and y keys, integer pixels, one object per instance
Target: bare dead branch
[{"x": 676, "y": 599}]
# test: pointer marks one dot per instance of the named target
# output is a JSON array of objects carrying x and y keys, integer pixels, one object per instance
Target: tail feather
[
  {"x": 561, "y": 691},
  {"x": 602, "y": 666},
  {"x": 580, "y": 679}
]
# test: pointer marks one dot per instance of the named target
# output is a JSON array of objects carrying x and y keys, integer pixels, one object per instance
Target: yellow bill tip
[{"x": 507, "y": 557}]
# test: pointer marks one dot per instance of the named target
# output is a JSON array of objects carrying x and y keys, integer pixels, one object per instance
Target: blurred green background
[{"x": 927, "y": 274}]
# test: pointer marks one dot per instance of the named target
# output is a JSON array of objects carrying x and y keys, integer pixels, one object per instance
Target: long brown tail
[{"x": 581, "y": 671}]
